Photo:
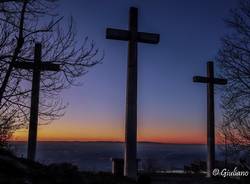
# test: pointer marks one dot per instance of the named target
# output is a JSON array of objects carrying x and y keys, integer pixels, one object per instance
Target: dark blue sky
[{"x": 171, "y": 107}]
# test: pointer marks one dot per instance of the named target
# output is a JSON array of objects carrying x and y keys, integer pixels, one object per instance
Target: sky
[{"x": 171, "y": 108}]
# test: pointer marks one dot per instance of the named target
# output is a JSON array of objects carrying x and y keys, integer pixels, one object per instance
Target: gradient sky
[{"x": 171, "y": 108}]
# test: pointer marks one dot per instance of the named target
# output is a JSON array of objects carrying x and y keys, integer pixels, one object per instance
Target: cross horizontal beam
[
  {"x": 201, "y": 79},
  {"x": 148, "y": 37},
  {"x": 50, "y": 67},
  {"x": 117, "y": 34},
  {"x": 24, "y": 65},
  {"x": 124, "y": 35},
  {"x": 42, "y": 67}
]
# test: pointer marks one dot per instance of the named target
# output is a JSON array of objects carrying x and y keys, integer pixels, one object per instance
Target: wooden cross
[
  {"x": 211, "y": 81},
  {"x": 132, "y": 36},
  {"x": 37, "y": 67}
]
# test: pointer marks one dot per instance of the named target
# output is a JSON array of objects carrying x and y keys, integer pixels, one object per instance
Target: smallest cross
[
  {"x": 37, "y": 66},
  {"x": 211, "y": 81}
]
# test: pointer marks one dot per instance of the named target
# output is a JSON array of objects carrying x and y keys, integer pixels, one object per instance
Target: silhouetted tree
[
  {"x": 7, "y": 126},
  {"x": 22, "y": 23},
  {"x": 234, "y": 63}
]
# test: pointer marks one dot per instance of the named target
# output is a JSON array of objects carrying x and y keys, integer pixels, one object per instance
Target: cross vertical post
[
  {"x": 211, "y": 81},
  {"x": 37, "y": 66},
  {"x": 133, "y": 37},
  {"x": 210, "y": 120},
  {"x": 34, "y": 103},
  {"x": 130, "y": 168}
]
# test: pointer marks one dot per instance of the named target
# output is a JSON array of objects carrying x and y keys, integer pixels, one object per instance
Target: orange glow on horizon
[
  {"x": 47, "y": 134},
  {"x": 75, "y": 131}
]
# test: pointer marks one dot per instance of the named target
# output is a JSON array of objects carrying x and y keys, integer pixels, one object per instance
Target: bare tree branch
[
  {"x": 22, "y": 23},
  {"x": 234, "y": 63}
]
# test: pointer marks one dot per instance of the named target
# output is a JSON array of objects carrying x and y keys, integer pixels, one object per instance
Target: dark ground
[
  {"x": 15, "y": 170},
  {"x": 191, "y": 179}
]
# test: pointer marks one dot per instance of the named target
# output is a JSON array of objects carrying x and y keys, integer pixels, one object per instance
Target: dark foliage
[{"x": 234, "y": 63}]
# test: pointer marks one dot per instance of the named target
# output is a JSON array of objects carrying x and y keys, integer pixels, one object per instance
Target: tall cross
[
  {"x": 211, "y": 81},
  {"x": 132, "y": 36},
  {"x": 37, "y": 67}
]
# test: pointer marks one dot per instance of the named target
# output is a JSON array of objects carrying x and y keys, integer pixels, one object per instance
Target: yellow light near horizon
[{"x": 65, "y": 132}]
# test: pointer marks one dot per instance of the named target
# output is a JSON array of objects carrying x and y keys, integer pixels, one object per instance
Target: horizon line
[{"x": 145, "y": 142}]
